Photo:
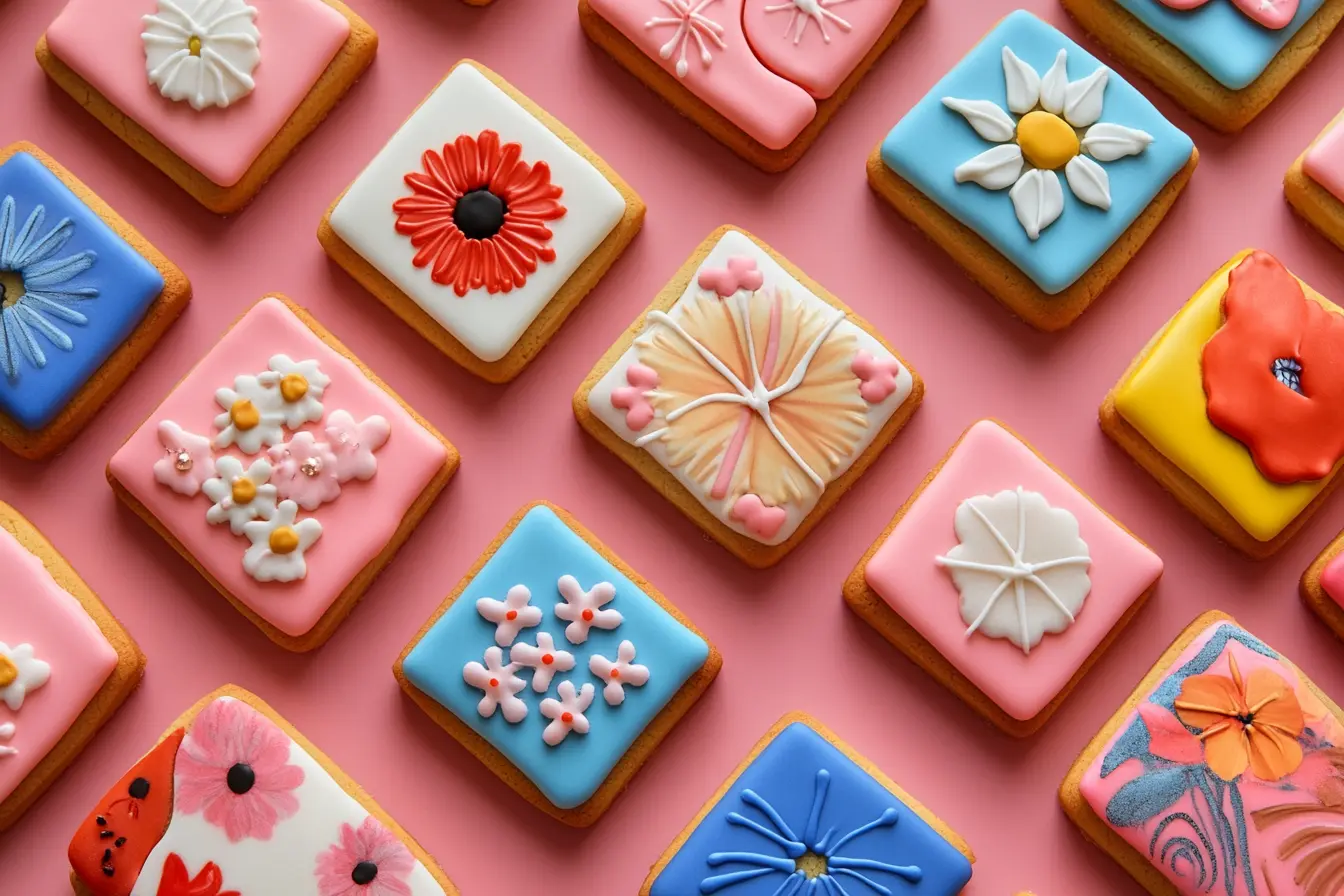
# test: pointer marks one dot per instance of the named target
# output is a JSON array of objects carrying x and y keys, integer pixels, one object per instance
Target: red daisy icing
[{"x": 478, "y": 213}]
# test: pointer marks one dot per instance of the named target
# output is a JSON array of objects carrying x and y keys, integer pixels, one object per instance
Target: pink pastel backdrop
[{"x": 788, "y": 641}]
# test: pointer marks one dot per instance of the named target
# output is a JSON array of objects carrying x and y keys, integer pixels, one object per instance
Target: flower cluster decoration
[
  {"x": 1273, "y": 14},
  {"x": 501, "y": 684},
  {"x": 202, "y": 51},
  {"x": 261, "y": 499},
  {"x": 20, "y": 672}
]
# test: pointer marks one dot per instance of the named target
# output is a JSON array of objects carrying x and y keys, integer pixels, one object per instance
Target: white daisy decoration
[
  {"x": 1057, "y": 125},
  {"x": 252, "y": 417},
  {"x": 278, "y": 545},
  {"x": 301, "y": 385},
  {"x": 202, "y": 51},
  {"x": 20, "y": 672},
  {"x": 239, "y": 495}
]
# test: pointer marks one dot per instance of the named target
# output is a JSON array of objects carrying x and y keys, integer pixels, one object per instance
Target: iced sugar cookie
[
  {"x": 285, "y": 471},
  {"x": 1235, "y": 405},
  {"x": 215, "y": 93},
  {"x": 749, "y": 396},
  {"x": 1223, "y": 60},
  {"x": 1314, "y": 185},
  {"x": 83, "y": 298},
  {"x": 233, "y": 800},
  {"x": 1038, "y": 169},
  {"x": 805, "y": 813},
  {"x": 1002, "y": 580},
  {"x": 482, "y": 223},
  {"x": 66, "y": 665},
  {"x": 1219, "y": 773},
  {"x": 1322, "y": 586},
  {"x": 557, "y": 665},
  {"x": 762, "y": 76}
]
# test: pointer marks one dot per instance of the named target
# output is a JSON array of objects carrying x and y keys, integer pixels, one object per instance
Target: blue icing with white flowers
[
  {"x": 931, "y": 141},
  {"x": 85, "y": 290},
  {"x": 803, "y": 818},
  {"x": 1221, "y": 39},
  {"x": 536, "y": 554}
]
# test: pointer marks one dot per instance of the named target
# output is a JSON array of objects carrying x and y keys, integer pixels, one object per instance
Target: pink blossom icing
[
  {"x": 1274, "y": 14},
  {"x": 306, "y": 471},
  {"x": 759, "y": 519},
  {"x": 740, "y": 273},
  {"x": 354, "y": 444},
  {"x": 633, "y": 399},
  {"x": 877, "y": 377},
  {"x": 787, "y": 37},
  {"x": 1325, "y": 161},
  {"x": 370, "y": 842},
  {"x": 183, "y": 478}
]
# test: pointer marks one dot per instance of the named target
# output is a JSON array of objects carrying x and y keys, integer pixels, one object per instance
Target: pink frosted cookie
[
  {"x": 285, "y": 472},
  {"x": 762, "y": 76},
  {"x": 1322, "y": 586},
  {"x": 1002, "y": 580},
  {"x": 1314, "y": 185}
]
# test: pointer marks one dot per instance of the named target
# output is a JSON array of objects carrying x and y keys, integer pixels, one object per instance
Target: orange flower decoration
[
  {"x": 478, "y": 214},
  {"x": 1274, "y": 373},
  {"x": 1253, "y": 722}
]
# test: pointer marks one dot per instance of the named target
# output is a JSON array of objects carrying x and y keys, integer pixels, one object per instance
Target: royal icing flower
[
  {"x": 1045, "y": 138},
  {"x": 300, "y": 385},
  {"x": 367, "y": 861},
  {"x": 1003, "y": 593},
  {"x": 543, "y": 659},
  {"x": 20, "y": 672},
  {"x": 233, "y": 767},
  {"x": 1251, "y": 722},
  {"x": 501, "y": 684},
  {"x": 634, "y": 398},
  {"x": 239, "y": 495},
  {"x": 354, "y": 444},
  {"x": 804, "y": 11},
  {"x": 566, "y": 713},
  {"x": 691, "y": 23},
  {"x": 510, "y": 615},
  {"x": 757, "y": 517},
  {"x": 477, "y": 214},
  {"x": 34, "y": 296},
  {"x": 1273, "y": 14},
  {"x": 251, "y": 418},
  {"x": 278, "y": 545},
  {"x": 1274, "y": 373},
  {"x": 186, "y": 463},
  {"x": 877, "y": 376},
  {"x": 202, "y": 51},
  {"x": 306, "y": 471},
  {"x": 7, "y": 732},
  {"x": 583, "y": 609},
  {"x": 177, "y": 880},
  {"x": 617, "y": 675}
]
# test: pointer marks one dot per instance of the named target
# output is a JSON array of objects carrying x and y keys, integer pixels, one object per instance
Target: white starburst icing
[{"x": 202, "y": 51}]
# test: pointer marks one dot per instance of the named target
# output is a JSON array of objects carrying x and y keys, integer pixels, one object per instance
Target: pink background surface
[{"x": 788, "y": 641}]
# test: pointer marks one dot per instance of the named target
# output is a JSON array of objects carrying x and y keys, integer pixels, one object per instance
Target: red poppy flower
[
  {"x": 478, "y": 214},
  {"x": 1274, "y": 373}
]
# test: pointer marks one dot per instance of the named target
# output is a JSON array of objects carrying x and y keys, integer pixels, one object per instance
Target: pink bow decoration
[
  {"x": 633, "y": 399},
  {"x": 877, "y": 376},
  {"x": 1273, "y": 14},
  {"x": 741, "y": 273},
  {"x": 760, "y": 520}
]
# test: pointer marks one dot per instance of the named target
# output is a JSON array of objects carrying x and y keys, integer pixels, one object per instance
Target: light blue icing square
[
  {"x": 537, "y": 553},
  {"x": 1228, "y": 44},
  {"x": 926, "y": 146}
]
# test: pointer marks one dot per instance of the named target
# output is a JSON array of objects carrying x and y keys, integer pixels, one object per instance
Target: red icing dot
[
  {"x": 511, "y": 615},
  {"x": 494, "y": 682},
  {"x": 547, "y": 659},
  {"x": 615, "y": 673},
  {"x": 587, "y": 615},
  {"x": 567, "y": 717}
]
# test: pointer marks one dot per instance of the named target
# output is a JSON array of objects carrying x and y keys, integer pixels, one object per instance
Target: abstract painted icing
[{"x": 1229, "y": 776}]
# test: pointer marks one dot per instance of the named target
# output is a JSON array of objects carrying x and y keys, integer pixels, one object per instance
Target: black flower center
[
  {"x": 364, "y": 873},
  {"x": 139, "y": 789},
  {"x": 241, "y": 778},
  {"x": 1289, "y": 372},
  {"x": 480, "y": 214}
]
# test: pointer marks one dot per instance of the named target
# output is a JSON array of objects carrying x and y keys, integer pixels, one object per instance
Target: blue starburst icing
[{"x": 805, "y": 820}]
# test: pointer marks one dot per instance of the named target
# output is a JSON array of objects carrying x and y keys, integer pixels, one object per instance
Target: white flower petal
[
  {"x": 1108, "y": 142},
  {"x": 1089, "y": 182},
  {"x": 1083, "y": 99},
  {"x": 1038, "y": 200},
  {"x": 989, "y": 121},
  {"x": 1024, "y": 85},
  {"x": 996, "y": 168},
  {"x": 1055, "y": 84}
]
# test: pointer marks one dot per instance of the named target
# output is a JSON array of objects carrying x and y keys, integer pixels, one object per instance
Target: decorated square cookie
[
  {"x": 806, "y": 814},
  {"x": 1002, "y": 580},
  {"x": 83, "y": 298},
  {"x": 482, "y": 223},
  {"x": 233, "y": 801},
  {"x": 749, "y": 396},
  {"x": 761, "y": 76},
  {"x": 1223, "y": 60},
  {"x": 1220, "y": 774},
  {"x": 1314, "y": 185},
  {"x": 557, "y": 665},
  {"x": 66, "y": 665},
  {"x": 1231, "y": 406},
  {"x": 215, "y": 93},
  {"x": 285, "y": 472},
  {"x": 1037, "y": 168}
]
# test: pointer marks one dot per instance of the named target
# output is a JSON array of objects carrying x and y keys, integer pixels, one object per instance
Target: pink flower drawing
[{"x": 368, "y": 861}]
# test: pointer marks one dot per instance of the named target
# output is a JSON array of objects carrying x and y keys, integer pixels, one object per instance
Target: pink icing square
[
  {"x": 1332, "y": 579},
  {"x": 1324, "y": 162},
  {"x": 37, "y": 611},
  {"x": 355, "y": 527},
  {"x": 989, "y": 460},
  {"x": 100, "y": 41}
]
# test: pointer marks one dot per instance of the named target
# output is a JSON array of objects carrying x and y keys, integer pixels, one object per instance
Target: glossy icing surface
[
  {"x": 537, "y": 554},
  {"x": 126, "y": 285},
  {"x": 904, "y": 573},
  {"x": 931, "y": 141},
  {"x": 38, "y": 612},
  {"x": 466, "y": 102},
  {"x": 354, "y": 529},
  {"x": 1164, "y": 399},
  {"x": 784, "y": 777},
  {"x": 1332, "y": 579},
  {"x": 816, "y": 44},
  {"x": 1324, "y": 162},
  {"x": 100, "y": 40},
  {"x": 1252, "y": 814}
]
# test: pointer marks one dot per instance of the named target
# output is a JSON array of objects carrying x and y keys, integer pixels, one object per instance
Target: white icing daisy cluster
[
  {"x": 260, "y": 498},
  {"x": 501, "y": 683},
  {"x": 20, "y": 672}
]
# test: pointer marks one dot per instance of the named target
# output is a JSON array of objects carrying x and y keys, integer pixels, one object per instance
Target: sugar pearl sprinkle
[{"x": 182, "y": 461}]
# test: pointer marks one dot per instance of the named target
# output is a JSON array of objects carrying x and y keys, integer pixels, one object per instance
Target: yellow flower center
[
  {"x": 1046, "y": 140},
  {"x": 284, "y": 540},
  {"x": 244, "y": 490},
  {"x": 11, "y": 288},
  {"x": 194, "y": 45},
  {"x": 244, "y": 414},
  {"x": 8, "y": 672},
  {"x": 811, "y": 864},
  {"x": 293, "y": 387}
]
